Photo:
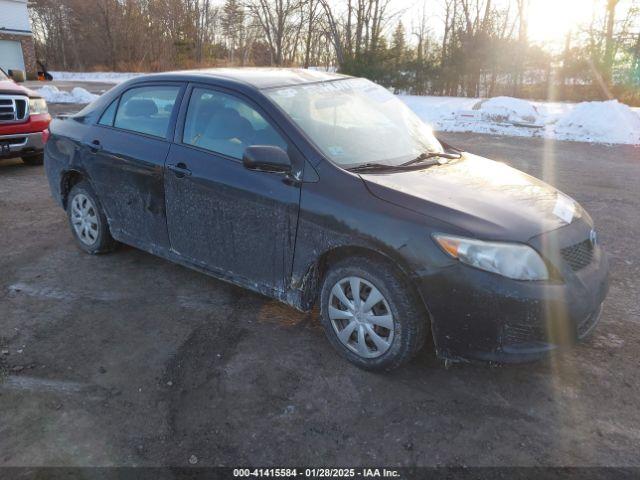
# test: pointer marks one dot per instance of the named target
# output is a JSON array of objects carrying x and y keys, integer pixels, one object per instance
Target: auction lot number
[{"x": 314, "y": 472}]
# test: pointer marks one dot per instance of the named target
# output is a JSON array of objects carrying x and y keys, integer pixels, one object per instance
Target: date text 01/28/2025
[{"x": 316, "y": 472}]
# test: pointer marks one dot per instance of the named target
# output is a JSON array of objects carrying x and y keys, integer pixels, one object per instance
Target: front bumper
[
  {"x": 483, "y": 316},
  {"x": 20, "y": 144}
]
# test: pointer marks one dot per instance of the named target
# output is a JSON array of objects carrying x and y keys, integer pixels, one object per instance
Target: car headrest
[
  {"x": 228, "y": 123},
  {"x": 141, "y": 108},
  {"x": 206, "y": 110}
]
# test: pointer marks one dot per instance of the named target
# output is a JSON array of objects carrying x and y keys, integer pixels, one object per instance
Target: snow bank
[
  {"x": 53, "y": 94},
  {"x": 329, "y": 69},
  {"x": 102, "y": 77},
  {"x": 601, "y": 122},
  {"x": 609, "y": 122},
  {"x": 508, "y": 109},
  {"x": 434, "y": 110}
]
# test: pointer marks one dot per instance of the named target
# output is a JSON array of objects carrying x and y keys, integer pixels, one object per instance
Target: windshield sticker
[
  {"x": 336, "y": 86},
  {"x": 335, "y": 150},
  {"x": 287, "y": 93},
  {"x": 564, "y": 209},
  {"x": 378, "y": 94}
]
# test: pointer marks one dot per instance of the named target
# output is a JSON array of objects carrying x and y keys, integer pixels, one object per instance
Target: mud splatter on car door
[{"x": 229, "y": 218}]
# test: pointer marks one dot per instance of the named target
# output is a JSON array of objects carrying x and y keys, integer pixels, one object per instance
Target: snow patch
[
  {"x": 609, "y": 122},
  {"x": 53, "y": 94},
  {"x": 596, "y": 122},
  {"x": 508, "y": 109},
  {"x": 101, "y": 77},
  {"x": 330, "y": 69},
  {"x": 601, "y": 122}
]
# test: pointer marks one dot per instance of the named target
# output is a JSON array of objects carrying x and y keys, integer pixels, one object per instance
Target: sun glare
[{"x": 551, "y": 20}]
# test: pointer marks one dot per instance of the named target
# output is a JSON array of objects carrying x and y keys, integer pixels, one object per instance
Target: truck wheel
[
  {"x": 87, "y": 220},
  {"x": 371, "y": 314},
  {"x": 33, "y": 160}
]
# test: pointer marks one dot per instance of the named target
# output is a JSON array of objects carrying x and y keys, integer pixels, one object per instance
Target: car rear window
[
  {"x": 109, "y": 114},
  {"x": 147, "y": 110}
]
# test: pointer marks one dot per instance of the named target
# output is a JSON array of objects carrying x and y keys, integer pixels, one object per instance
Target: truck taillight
[{"x": 45, "y": 136}]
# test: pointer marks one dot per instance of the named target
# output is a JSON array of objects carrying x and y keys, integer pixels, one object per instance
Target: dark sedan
[{"x": 318, "y": 188}]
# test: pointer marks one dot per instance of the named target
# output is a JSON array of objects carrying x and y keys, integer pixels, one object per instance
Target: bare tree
[
  {"x": 312, "y": 16},
  {"x": 277, "y": 20},
  {"x": 232, "y": 23},
  {"x": 483, "y": 48},
  {"x": 609, "y": 41}
]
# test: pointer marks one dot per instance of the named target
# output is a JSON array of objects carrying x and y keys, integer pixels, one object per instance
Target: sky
[{"x": 549, "y": 20}]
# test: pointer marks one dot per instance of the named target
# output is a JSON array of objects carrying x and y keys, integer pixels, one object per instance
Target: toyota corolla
[{"x": 316, "y": 188}]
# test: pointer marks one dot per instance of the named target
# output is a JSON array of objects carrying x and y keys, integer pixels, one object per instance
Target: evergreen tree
[
  {"x": 398, "y": 59},
  {"x": 232, "y": 22},
  {"x": 398, "y": 45}
]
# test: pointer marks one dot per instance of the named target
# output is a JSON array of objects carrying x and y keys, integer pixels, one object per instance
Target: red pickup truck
[{"x": 24, "y": 122}]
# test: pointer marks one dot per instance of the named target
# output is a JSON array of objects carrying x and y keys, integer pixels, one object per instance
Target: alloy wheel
[
  {"x": 361, "y": 317},
  {"x": 84, "y": 218}
]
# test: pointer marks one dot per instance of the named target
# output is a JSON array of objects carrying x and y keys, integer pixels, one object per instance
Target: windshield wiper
[
  {"x": 426, "y": 156},
  {"x": 379, "y": 167},
  {"x": 372, "y": 167}
]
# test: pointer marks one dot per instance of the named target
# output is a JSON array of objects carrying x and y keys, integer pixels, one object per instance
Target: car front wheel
[
  {"x": 87, "y": 220},
  {"x": 371, "y": 314}
]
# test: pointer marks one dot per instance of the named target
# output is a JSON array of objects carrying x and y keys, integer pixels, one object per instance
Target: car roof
[{"x": 260, "y": 78}]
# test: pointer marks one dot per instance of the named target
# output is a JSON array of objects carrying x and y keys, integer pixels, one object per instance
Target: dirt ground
[{"x": 127, "y": 359}]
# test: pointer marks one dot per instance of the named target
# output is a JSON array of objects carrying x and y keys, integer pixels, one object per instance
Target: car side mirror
[
  {"x": 267, "y": 158},
  {"x": 17, "y": 76}
]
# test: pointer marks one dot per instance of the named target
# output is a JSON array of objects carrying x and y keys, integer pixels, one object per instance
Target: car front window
[
  {"x": 355, "y": 121},
  {"x": 3, "y": 76},
  {"x": 224, "y": 124}
]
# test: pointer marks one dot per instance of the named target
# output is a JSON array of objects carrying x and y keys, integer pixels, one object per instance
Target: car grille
[
  {"x": 515, "y": 334},
  {"x": 579, "y": 255},
  {"x": 13, "y": 141},
  {"x": 13, "y": 109}
]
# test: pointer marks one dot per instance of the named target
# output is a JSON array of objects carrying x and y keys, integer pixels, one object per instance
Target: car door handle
[
  {"x": 95, "y": 146},
  {"x": 180, "y": 170}
]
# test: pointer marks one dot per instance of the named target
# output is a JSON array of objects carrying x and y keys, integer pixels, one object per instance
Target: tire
[
  {"x": 33, "y": 160},
  {"x": 87, "y": 220},
  {"x": 402, "y": 338}
]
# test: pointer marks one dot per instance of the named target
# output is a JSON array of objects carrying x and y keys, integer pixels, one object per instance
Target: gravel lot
[{"x": 127, "y": 359}]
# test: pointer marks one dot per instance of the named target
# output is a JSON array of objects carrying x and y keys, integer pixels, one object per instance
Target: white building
[{"x": 16, "y": 39}]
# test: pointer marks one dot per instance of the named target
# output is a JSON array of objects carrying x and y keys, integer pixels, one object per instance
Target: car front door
[
  {"x": 236, "y": 222},
  {"x": 127, "y": 151}
]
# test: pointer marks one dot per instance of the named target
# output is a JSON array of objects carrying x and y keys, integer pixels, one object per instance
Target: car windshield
[
  {"x": 356, "y": 122},
  {"x": 3, "y": 76}
]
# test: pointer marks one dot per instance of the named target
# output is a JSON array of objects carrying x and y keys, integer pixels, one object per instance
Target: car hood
[
  {"x": 487, "y": 199},
  {"x": 9, "y": 87}
]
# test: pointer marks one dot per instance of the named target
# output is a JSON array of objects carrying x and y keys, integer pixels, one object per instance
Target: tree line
[{"x": 482, "y": 49}]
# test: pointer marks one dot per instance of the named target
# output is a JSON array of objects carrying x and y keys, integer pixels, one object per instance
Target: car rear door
[
  {"x": 238, "y": 223},
  {"x": 127, "y": 150}
]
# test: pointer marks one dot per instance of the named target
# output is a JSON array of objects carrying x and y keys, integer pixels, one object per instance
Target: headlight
[
  {"x": 512, "y": 260},
  {"x": 37, "y": 106}
]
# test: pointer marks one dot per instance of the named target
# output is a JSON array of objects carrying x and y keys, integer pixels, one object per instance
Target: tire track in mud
[
  {"x": 207, "y": 388},
  {"x": 197, "y": 368}
]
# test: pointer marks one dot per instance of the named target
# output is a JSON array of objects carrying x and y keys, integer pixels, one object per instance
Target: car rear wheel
[
  {"x": 33, "y": 160},
  {"x": 371, "y": 314},
  {"x": 87, "y": 220}
]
